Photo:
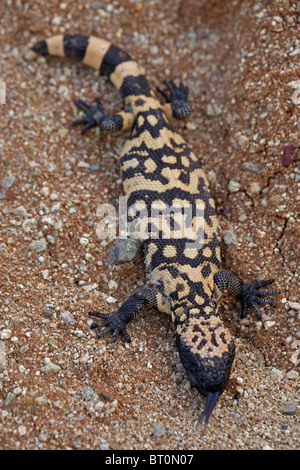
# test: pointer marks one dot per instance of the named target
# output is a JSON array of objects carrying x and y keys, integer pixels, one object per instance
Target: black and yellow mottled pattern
[{"x": 160, "y": 171}]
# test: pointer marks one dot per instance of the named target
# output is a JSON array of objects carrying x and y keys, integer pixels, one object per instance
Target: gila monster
[{"x": 183, "y": 264}]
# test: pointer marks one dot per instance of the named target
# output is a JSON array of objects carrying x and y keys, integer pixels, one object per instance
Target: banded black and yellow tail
[{"x": 124, "y": 73}]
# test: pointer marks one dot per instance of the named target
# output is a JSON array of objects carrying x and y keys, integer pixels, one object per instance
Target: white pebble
[
  {"x": 5, "y": 334},
  {"x": 21, "y": 430},
  {"x": 112, "y": 284},
  {"x": 233, "y": 186},
  {"x": 269, "y": 324},
  {"x": 294, "y": 305}
]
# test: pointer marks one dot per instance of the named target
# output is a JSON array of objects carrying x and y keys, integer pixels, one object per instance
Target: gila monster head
[{"x": 206, "y": 349}]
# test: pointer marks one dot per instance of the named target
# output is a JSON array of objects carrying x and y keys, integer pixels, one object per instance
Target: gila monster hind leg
[
  {"x": 97, "y": 116},
  {"x": 176, "y": 100},
  {"x": 117, "y": 321},
  {"x": 248, "y": 293}
]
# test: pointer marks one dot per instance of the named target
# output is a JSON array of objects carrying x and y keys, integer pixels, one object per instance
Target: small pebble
[
  {"x": 252, "y": 167},
  {"x": 22, "y": 430},
  {"x": 83, "y": 241},
  {"x": 38, "y": 245},
  {"x": 229, "y": 238},
  {"x": 276, "y": 374},
  {"x": 90, "y": 287},
  {"x": 254, "y": 189},
  {"x": 50, "y": 368},
  {"x": 3, "y": 363},
  {"x": 294, "y": 305},
  {"x": 292, "y": 374},
  {"x": 10, "y": 398},
  {"x": 158, "y": 429},
  {"x": 88, "y": 394},
  {"x": 123, "y": 251},
  {"x": 8, "y": 182},
  {"x": 289, "y": 409},
  {"x": 5, "y": 334},
  {"x": 48, "y": 312},
  {"x": 233, "y": 186},
  {"x": 269, "y": 324},
  {"x": 243, "y": 140},
  {"x": 67, "y": 317},
  {"x": 112, "y": 284}
]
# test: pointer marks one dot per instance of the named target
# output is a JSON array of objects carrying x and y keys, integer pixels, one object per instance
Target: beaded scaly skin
[{"x": 173, "y": 212}]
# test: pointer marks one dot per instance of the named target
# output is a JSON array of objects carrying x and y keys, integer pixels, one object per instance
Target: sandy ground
[{"x": 60, "y": 387}]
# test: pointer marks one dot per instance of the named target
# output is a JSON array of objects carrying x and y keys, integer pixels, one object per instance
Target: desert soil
[{"x": 61, "y": 387}]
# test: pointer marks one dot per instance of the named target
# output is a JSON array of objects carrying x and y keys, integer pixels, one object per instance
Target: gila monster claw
[
  {"x": 93, "y": 114},
  {"x": 251, "y": 295},
  {"x": 176, "y": 93},
  {"x": 177, "y": 96},
  {"x": 112, "y": 322}
]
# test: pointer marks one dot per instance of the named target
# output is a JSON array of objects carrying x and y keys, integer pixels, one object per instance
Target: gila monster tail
[{"x": 124, "y": 73}]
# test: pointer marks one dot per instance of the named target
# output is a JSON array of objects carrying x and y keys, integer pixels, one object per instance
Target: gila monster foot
[
  {"x": 251, "y": 295},
  {"x": 177, "y": 96},
  {"x": 175, "y": 93},
  {"x": 112, "y": 322},
  {"x": 93, "y": 114}
]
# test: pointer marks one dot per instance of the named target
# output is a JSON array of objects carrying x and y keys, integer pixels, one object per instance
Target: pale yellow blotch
[
  {"x": 95, "y": 52},
  {"x": 199, "y": 300},
  {"x": 150, "y": 165},
  {"x": 194, "y": 311},
  {"x": 171, "y": 174},
  {"x": 128, "y": 120},
  {"x": 183, "y": 317},
  {"x": 141, "y": 153},
  {"x": 55, "y": 45},
  {"x": 179, "y": 311},
  {"x": 169, "y": 251},
  {"x": 152, "y": 120},
  {"x": 169, "y": 159},
  {"x": 190, "y": 253},
  {"x": 200, "y": 203},
  {"x": 130, "y": 67},
  {"x": 193, "y": 157},
  {"x": 208, "y": 309},
  {"x": 140, "y": 120},
  {"x": 207, "y": 252},
  {"x": 133, "y": 163},
  {"x": 185, "y": 161},
  {"x": 152, "y": 248},
  {"x": 211, "y": 202}
]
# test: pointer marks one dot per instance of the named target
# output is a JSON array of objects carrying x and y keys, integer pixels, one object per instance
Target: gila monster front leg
[
  {"x": 97, "y": 116},
  {"x": 117, "y": 321},
  {"x": 248, "y": 293}
]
